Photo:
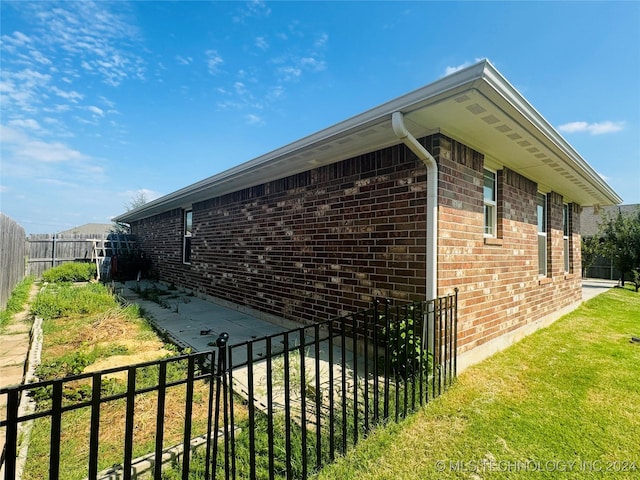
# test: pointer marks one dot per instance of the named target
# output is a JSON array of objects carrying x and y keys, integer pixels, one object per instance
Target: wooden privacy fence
[
  {"x": 50, "y": 250},
  {"x": 12, "y": 257}
]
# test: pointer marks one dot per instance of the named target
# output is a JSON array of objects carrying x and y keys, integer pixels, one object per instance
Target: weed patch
[{"x": 70, "y": 272}]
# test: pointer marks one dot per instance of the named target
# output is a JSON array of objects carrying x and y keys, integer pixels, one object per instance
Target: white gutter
[{"x": 397, "y": 122}]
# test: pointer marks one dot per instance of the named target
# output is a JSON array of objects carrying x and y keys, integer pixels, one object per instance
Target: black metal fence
[{"x": 280, "y": 406}]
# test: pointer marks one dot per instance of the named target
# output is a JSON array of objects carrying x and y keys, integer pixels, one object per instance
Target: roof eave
[{"x": 301, "y": 154}]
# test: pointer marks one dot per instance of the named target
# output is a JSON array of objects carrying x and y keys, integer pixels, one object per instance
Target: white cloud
[
  {"x": 11, "y": 135},
  {"x": 47, "y": 152},
  {"x": 107, "y": 102},
  {"x": 313, "y": 64},
  {"x": 322, "y": 40},
  {"x": 253, "y": 8},
  {"x": 86, "y": 39},
  {"x": 96, "y": 34},
  {"x": 214, "y": 60},
  {"x": 72, "y": 96},
  {"x": 275, "y": 93},
  {"x": 16, "y": 39},
  {"x": 290, "y": 73},
  {"x": 96, "y": 111},
  {"x": 184, "y": 60},
  {"x": 26, "y": 156},
  {"x": 23, "y": 90},
  {"x": 261, "y": 43},
  {"x": 253, "y": 119},
  {"x": 26, "y": 123},
  {"x": 598, "y": 128},
  {"x": 449, "y": 70},
  {"x": 240, "y": 88}
]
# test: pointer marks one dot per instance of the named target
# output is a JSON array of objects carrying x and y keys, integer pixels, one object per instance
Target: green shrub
[
  {"x": 407, "y": 356},
  {"x": 70, "y": 272}
]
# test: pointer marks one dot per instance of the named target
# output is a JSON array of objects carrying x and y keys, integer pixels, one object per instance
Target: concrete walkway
[
  {"x": 592, "y": 287},
  {"x": 15, "y": 343}
]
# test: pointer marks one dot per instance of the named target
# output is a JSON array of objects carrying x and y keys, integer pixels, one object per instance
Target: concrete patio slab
[{"x": 185, "y": 317}]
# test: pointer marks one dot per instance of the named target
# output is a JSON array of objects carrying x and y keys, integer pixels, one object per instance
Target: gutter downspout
[{"x": 397, "y": 122}]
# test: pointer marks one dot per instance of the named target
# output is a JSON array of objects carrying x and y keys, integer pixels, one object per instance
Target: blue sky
[{"x": 101, "y": 101}]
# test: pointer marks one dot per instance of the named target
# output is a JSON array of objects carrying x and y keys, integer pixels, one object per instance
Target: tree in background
[
  {"x": 591, "y": 249},
  {"x": 137, "y": 201},
  {"x": 620, "y": 237}
]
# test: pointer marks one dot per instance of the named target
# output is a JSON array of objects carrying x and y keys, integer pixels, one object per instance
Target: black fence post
[
  {"x": 221, "y": 343},
  {"x": 455, "y": 333},
  {"x": 11, "y": 445},
  {"x": 207, "y": 463},
  {"x": 160, "y": 408},
  {"x": 129, "y": 425},
  {"x": 95, "y": 425},
  {"x": 387, "y": 352},
  {"x": 376, "y": 373},
  {"x": 188, "y": 411}
]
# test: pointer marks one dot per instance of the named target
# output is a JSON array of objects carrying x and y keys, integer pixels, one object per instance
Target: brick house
[{"x": 461, "y": 183}]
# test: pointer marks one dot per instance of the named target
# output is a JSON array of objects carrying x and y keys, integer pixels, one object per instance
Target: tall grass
[
  {"x": 16, "y": 302},
  {"x": 71, "y": 272},
  {"x": 65, "y": 300}
]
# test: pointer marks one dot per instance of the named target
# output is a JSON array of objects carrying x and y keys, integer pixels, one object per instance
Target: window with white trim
[
  {"x": 542, "y": 233},
  {"x": 565, "y": 235},
  {"x": 186, "y": 246},
  {"x": 489, "y": 198}
]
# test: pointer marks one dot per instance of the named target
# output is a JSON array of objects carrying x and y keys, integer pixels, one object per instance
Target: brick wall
[
  {"x": 499, "y": 285},
  {"x": 311, "y": 246},
  {"x": 327, "y": 241}
]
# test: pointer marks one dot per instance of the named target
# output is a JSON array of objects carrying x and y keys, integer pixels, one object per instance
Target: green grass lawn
[{"x": 562, "y": 403}]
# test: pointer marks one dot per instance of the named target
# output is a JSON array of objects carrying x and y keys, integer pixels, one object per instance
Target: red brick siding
[
  {"x": 327, "y": 241},
  {"x": 161, "y": 237},
  {"x": 311, "y": 246},
  {"x": 499, "y": 286}
]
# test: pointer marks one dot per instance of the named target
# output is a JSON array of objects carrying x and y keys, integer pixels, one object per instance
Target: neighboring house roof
[
  {"x": 476, "y": 106},
  {"x": 590, "y": 218},
  {"x": 89, "y": 229}
]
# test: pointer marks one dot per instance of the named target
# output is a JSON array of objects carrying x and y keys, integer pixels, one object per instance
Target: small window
[
  {"x": 542, "y": 233},
  {"x": 188, "y": 225},
  {"x": 565, "y": 235},
  {"x": 489, "y": 194}
]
